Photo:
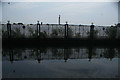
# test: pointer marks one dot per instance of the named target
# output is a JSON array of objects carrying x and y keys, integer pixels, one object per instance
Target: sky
[
  {"x": 119, "y": 12},
  {"x": 60, "y": 0},
  {"x": 0, "y": 12},
  {"x": 100, "y": 13}
]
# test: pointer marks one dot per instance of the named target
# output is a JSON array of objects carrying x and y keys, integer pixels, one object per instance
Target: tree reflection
[
  {"x": 91, "y": 52},
  {"x": 14, "y": 54},
  {"x": 57, "y": 52},
  {"x": 67, "y": 53},
  {"x": 40, "y": 53},
  {"x": 109, "y": 53},
  {"x": 118, "y": 52},
  {"x": 11, "y": 56}
]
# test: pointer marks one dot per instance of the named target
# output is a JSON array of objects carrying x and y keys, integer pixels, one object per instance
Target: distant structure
[{"x": 59, "y": 20}]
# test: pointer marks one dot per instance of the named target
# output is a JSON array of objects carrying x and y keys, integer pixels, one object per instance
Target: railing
[{"x": 58, "y": 31}]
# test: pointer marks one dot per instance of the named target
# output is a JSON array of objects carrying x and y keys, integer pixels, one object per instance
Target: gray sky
[
  {"x": 0, "y": 12},
  {"x": 101, "y": 13}
]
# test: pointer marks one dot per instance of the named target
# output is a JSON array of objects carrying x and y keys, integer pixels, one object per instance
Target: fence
[{"x": 57, "y": 31}]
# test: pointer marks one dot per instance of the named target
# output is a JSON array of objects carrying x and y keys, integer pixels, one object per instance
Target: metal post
[
  {"x": 9, "y": 29},
  {"x": 48, "y": 30},
  {"x": 92, "y": 31},
  {"x": 59, "y": 20},
  {"x": 23, "y": 30},
  {"x": 83, "y": 32},
  {"x": 38, "y": 29},
  {"x": 90, "y": 53},
  {"x": 66, "y": 30},
  {"x": 75, "y": 31},
  {"x": 79, "y": 29}
]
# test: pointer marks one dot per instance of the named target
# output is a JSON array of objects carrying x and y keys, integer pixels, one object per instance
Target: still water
[{"x": 54, "y": 62}]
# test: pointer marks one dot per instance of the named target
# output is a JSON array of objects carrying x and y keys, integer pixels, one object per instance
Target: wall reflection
[{"x": 42, "y": 53}]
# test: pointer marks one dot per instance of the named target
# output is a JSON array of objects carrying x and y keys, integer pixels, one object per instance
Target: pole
[{"x": 59, "y": 20}]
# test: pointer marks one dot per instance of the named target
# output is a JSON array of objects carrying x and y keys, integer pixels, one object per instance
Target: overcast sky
[{"x": 101, "y": 13}]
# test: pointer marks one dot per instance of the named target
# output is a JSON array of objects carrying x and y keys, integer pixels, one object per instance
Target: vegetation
[
  {"x": 77, "y": 35},
  {"x": 95, "y": 33},
  {"x": 15, "y": 33},
  {"x": 111, "y": 32},
  {"x": 4, "y": 34},
  {"x": 109, "y": 53},
  {"x": 33, "y": 34},
  {"x": 70, "y": 33},
  {"x": 57, "y": 33}
]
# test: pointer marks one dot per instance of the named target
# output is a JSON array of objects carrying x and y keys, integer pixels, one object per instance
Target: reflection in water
[
  {"x": 65, "y": 62},
  {"x": 59, "y": 53}
]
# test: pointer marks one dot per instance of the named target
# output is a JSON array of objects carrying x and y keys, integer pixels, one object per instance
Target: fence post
[
  {"x": 92, "y": 31},
  {"x": 9, "y": 29},
  {"x": 66, "y": 30},
  {"x": 38, "y": 28},
  {"x": 59, "y": 20},
  {"x": 23, "y": 30},
  {"x": 48, "y": 29}
]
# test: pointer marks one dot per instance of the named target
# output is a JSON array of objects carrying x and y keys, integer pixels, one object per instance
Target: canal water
[{"x": 55, "y": 62}]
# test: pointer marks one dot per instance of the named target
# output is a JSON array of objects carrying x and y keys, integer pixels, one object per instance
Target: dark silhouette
[
  {"x": 9, "y": 29},
  {"x": 109, "y": 53},
  {"x": 59, "y": 20},
  {"x": 41, "y": 23},
  {"x": 23, "y": 30},
  {"x": 111, "y": 32},
  {"x": 11, "y": 54},
  {"x": 66, "y": 30},
  {"x": 20, "y": 23},
  {"x": 38, "y": 29},
  {"x": 90, "y": 51},
  {"x": 65, "y": 54},
  {"x": 38, "y": 54},
  {"x": 79, "y": 28},
  {"x": 92, "y": 31},
  {"x": 48, "y": 29}
]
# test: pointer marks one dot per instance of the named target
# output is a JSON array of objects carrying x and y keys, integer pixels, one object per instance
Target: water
[{"x": 60, "y": 62}]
